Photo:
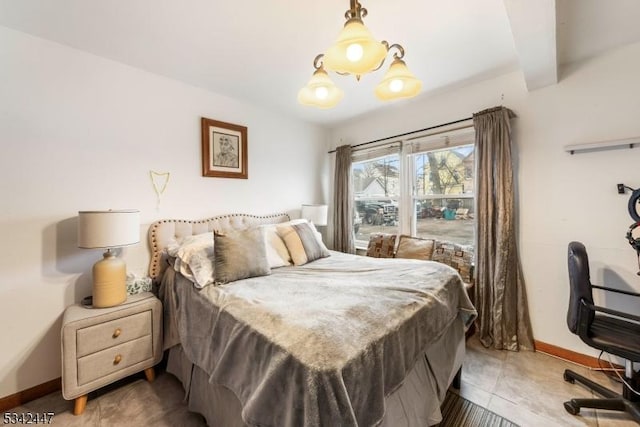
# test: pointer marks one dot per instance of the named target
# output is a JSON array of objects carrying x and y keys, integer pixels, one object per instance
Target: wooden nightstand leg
[
  {"x": 150, "y": 374},
  {"x": 81, "y": 403}
]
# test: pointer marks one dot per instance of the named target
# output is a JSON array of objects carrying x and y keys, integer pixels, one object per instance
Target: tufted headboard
[{"x": 164, "y": 231}]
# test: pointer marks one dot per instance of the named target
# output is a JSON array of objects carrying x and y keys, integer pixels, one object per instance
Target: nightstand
[{"x": 103, "y": 345}]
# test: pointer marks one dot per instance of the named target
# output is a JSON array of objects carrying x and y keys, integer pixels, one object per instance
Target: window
[
  {"x": 443, "y": 185},
  {"x": 376, "y": 181},
  {"x": 434, "y": 197}
]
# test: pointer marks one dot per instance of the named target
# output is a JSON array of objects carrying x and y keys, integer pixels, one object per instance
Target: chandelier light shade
[
  {"x": 356, "y": 52},
  {"x": 398, "y": 82},
  {"x": 320, "y": 92}
]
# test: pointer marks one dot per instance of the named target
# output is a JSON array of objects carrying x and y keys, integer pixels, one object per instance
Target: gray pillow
[{"x": 239, "y": 255}]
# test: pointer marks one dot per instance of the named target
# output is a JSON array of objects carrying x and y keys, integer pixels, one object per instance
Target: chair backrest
[{"x": 579, "y": 284}]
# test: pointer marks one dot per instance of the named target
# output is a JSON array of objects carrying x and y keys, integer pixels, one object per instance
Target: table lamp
[
  {"x": 316, "y": 214},
  {"x": 107, "y": 230}
]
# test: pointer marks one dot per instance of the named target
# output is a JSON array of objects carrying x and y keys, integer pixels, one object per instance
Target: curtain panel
[
  {"x": 500, "y": 295},
  {"x": 343, "y": 238}
]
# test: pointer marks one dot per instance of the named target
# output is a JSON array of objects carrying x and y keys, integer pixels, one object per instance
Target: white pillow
[
  {"x": 194, "y": 258},
  {"x": 277, "y": 253}
]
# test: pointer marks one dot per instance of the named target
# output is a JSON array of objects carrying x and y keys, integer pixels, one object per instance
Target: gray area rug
[{"x": 459, "y": 412}]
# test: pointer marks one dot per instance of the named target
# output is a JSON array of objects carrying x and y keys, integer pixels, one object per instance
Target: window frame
[
  {"x": 408, "y": 150},
  {"x": 370, "y": 155},
  {"x": 413, "y": 166}
]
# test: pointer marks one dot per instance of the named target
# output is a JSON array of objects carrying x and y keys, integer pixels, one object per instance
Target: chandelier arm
[
  {"x": 317, "y": 62},
  {"x": 379, "y": 66},
  {"x": 400, "y": 53},
  {"x": 386, "y": 45}
]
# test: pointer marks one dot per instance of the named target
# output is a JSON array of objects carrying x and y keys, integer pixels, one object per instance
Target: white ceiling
[{"x": 262, "y": 51}]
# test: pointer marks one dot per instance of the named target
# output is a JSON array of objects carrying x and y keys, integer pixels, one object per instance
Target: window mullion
[{"x": 406, "y": 195}]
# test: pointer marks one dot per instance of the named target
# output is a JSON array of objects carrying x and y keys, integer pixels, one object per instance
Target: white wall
[
  {"x": 81, "y": 132},
  {"x": 561, "y": 197}
]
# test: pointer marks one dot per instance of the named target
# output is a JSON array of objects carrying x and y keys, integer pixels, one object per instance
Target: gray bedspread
[{"x": 320, "y": 344}]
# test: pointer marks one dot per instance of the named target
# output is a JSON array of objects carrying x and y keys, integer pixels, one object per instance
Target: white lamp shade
[
  {"x": 108, "y": 229},
  {"x": 317, "y": 214}
]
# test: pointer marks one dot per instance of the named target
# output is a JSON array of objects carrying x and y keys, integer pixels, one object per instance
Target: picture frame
[{"x": 224, "y": 149}]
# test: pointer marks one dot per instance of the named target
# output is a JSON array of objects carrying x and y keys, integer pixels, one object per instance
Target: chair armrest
[
  {"x": 617, "y": 313},
  {"x": 619, "y": 291}
]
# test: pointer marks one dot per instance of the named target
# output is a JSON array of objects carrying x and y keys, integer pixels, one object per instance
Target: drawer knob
[
  {"x": 117, "y": 333},
  {"x": 117, "y": 359}
]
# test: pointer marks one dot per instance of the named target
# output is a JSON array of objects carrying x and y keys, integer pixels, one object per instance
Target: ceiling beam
[{"x": 533, "y": 26}]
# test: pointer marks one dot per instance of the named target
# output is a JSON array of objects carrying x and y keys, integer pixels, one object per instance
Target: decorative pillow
[
  {"x": 302, "y": 242},
  {"x": 457, "y": 256},
  {"x": 415, "y": 248},
  {"x": 277, "y": 253},
  {"x": 306, "y": 221},
  {"x": 381, "y": 245},
  {"x": 239, "y": 255},
  {"x": 193, "y": 258}
]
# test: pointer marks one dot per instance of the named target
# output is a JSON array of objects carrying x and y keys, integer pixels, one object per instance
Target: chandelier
[{"x": 356, "y": 52}]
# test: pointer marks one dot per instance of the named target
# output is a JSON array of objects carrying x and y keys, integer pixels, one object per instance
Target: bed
[{"x": 342, "y": 340}]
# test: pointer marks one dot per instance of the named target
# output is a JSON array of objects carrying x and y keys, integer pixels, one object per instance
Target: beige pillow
[
  {"x": 302, "y": 243},
  {"x": 415, "y": 248},
  {"x": 381, "y": 245},
  {"x": 239, "y": 255}
]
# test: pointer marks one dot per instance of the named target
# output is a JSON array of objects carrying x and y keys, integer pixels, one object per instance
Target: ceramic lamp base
[{"x": 109, "y": 281}]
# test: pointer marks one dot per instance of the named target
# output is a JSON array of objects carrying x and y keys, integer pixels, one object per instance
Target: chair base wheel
[
  {"x": 571, "y": 408},
  {"x": 568, "y": 378}
]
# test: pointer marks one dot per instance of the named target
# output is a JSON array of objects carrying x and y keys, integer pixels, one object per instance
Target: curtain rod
[{"x": 408, "y": 133}]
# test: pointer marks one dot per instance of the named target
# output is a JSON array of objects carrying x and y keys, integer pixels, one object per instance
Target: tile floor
[
  {"x": 528, "y": 388},
  {"x": 525, "y": 387}
]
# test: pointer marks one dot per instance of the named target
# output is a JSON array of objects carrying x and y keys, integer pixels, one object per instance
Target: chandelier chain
[{"x": 356, "y": 11}]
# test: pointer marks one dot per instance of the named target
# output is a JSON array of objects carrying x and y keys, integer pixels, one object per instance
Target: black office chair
[{"x": 609, "y": 330}]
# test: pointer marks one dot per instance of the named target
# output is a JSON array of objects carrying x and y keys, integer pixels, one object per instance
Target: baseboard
[
  {"x": 24, "y": 396},
  {"x": 571, "y": 356}
]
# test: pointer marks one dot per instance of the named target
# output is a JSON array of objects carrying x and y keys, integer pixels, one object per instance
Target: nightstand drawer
[
  {"x": 105, "y": 362},
  {"x": 115, "y": 332}
]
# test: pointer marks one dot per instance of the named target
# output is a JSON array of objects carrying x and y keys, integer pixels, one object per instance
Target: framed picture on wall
[{"x": 224, "y": 149}]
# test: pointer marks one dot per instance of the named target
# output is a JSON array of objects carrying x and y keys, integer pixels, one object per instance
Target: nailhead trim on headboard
[{"x": 163, "y": 231}]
